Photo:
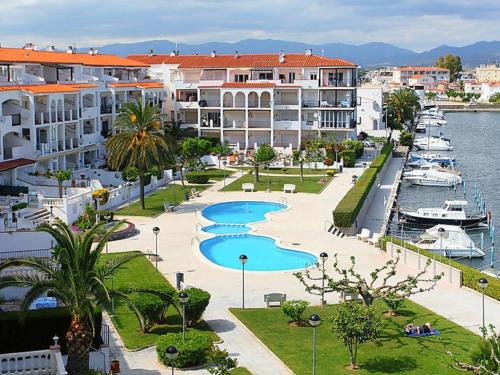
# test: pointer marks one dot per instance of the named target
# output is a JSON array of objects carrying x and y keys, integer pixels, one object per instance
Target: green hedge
[
  {"x": 197, "y": 177},
  {"x": 13, "y": 191},
  {"x": 193, "y": 350},
  {"x": 348, "y": 208},
  {"x": 470, "y": 275},
  {"x": 34, "y": 329},
  {"x": 198, "y": 302},
  {"x": 349, "y": 157}
]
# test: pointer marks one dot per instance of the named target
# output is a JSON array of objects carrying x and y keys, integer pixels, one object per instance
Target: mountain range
[{"x": 367, "y": 55}]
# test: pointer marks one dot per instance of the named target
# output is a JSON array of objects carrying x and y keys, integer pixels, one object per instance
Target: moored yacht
[
  {"x": 432, "y": 144},
  {"x": 449, "y": 241},
  {"x": 450, "y": 213},
  {"x": 432, "y": 174},
  {"x": 419, "y": 159}
]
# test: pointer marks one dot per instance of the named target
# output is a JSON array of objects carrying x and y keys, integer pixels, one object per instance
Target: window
[
  {"x": 240, "y": 77},
  {"x": 291, "y": 77},
  {"x": 266, "y": 76},
  {"x": 282, "y": 78},
  {"x": 313, "y": 76}
]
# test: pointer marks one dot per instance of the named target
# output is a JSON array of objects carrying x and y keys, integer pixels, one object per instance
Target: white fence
[{"x": 40, "y": 362}]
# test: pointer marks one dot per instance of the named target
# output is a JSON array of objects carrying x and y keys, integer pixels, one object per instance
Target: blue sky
[{"x": 414, "y": 24}]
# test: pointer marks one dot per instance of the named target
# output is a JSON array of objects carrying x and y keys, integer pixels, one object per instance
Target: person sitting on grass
[{"x": 411, "y": 329}]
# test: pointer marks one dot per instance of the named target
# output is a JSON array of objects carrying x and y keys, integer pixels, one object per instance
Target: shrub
[
  {"x": 406, "y": 138},
  {"x": 197, "y": 178},
  {"x": 349, "y": 157},
  {"x": 13, "y": 191},
  {"x": 328, "y": 161},
  {"x": 151, "y": 308},
  {"x": 19, "y": 206},
  {"x": 331, "y": 172},
  {"x": 193, "y": 350},
  {"x": 221, "y": 362},
  {"x": 198, "y": 302},
  {"x": 394, "y": 302},
  {"x": 294, "y": 309},
  {"x": 357, "y": 146}
]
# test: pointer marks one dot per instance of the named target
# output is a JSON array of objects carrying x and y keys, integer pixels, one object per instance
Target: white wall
[{"x": 369, "y": 109}]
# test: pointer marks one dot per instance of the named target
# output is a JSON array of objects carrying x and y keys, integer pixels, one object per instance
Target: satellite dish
[{"x": 315, "y": 114}]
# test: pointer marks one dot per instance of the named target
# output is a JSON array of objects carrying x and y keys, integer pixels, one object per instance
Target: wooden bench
[
  {"x": 195, "y": 193},
  {"x": 248, "y": 186},
  {"x": 289, "y": 188},
  {"x": 274, "y": 299},
  {"x": 168, "y": 207}
]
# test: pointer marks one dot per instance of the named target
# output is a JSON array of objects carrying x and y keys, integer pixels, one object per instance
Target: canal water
[{"x": 475, "y": 137}]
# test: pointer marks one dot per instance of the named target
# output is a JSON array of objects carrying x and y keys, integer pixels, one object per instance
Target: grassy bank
[{"x": 310, "y": 184}]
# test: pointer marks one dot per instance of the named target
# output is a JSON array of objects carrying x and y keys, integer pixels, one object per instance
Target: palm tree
[
  {"x": 75, "y": 276},
  {"x": 139, "y": 142},
  {"x": 403, "y": 103}
]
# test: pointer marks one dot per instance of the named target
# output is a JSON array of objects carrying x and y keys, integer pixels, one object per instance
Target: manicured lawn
[
  {"x": 173, "y": 193},
  {"x": 240, "y": 371},
  {"x": 287, "y": 171},
  {"x": 391, "y": 353},
  {"x": 140, "y": 273},
  {"x": 310, "y": 184},
  {"x": 217, "y": 174}
]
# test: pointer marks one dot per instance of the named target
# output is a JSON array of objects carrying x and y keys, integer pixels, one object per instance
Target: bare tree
[{"x": 378, "y": 286}]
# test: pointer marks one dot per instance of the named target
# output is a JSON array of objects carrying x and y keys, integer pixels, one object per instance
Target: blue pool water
[{"x": 231, "y": 239}]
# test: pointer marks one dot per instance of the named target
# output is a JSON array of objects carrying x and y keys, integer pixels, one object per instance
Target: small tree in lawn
[
  {"x": 377, "y": 286},
  {"x": 221, "y": 362},
  {"x": 394, "y": 302},
  {"x": 264, "y": 154},
  {"x": 193, "y": 149},
  {"x": 298, "y": 158},
  {"x": 294, "y": 309},
  {"x": 355, "y": 324},
  {"x": 61, "y": 176},
  {"x": 221, "y": 149}
]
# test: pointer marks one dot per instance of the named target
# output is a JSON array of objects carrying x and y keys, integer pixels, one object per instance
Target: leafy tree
[
  {"x": 430, "y": 95},
  {"x": 130, "y": 174},
  {"x": 406, "y": 138},
  {"x": 193, "y": 149},
  {"x": 298, "y": 158},
  {"x": 349, "y": 281},
  {"x": 139, "y": 141},
  {"x": 355, "y": 324},
  {"x": 174, "y": 133},
  {"x": 314, "y": 152},
  {"x": 221, "y": 362},
  {"x": 76, "y": 276},
  {"x": 485, "y": 358},
  {"x": 264, "y": 154},
  {"x": 403, "y": 103},
  {"x": 294, "y": 309},
  {"x": 394, "y": 302},
  {"x": 150, "y": 307},
  {"x": 221, "y": 149},
  {"x": 451, "y": 62},
  {"x": 495, "y": 98},
  {"x": 61, "y": 176}
]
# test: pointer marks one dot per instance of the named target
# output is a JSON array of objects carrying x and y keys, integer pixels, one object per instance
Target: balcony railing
[
  {"x": 41, "y": 118},
  {"x": 23, "y": 254},
  {"x": 234, "y": 124},
  {"x": 106, "y": 109},
  {"x": 259, "y": 123},
  {"x": 16, "y": 119}
]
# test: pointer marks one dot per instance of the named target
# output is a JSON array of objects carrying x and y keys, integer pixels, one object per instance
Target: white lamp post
[
  {"x": 243, "y": 260},
  {"x": 156, "y": 231},
  {"x": 172, "y": 353},
  {"x": 184, "y": 299},
  {"x": 483, "y": 284},
  {"x": 314, "y": 321},
  {"x": 323, "y": 256}
]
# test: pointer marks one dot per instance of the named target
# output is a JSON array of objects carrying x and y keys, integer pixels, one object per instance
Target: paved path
[{"x": 302, "y": 228}]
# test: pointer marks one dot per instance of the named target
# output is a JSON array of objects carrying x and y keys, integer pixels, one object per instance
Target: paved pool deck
[{"x": 302, "y": 227}]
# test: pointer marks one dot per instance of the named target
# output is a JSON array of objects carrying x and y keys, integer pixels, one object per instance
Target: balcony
[
  {"x": 338, "y": 83},
  {"x": 186, "y": 104},
  {"x": 107, "y": 108},
  {"x": 71, "y": 115},
  {"x": 234, "y": 124},
  {"x": 89, "y": 112},
  {"x": 307, "y": 83},
  {"x": 89, "y": 139},
  {"x": 286, "y": 125},
  {"x": 41, "y": 118},
  {"x": 214, "y": 103},
  {"x": 71, "y": 143},
  {"x": 262, "y": 124}
]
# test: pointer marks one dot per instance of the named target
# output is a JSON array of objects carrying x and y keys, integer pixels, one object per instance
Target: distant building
[
  {"x": 420, "y": 76},
  {"x": 485, "y": 73},
  {"x": 370, "y": 109},
  {"x": 488, "y": 89},
  {"x": 383, "y": 76}
]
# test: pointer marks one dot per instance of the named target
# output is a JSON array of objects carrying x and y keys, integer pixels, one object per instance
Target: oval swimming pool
[{"x": 231, "y": 239}]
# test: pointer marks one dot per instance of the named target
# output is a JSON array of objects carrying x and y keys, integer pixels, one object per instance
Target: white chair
[
  {"x": 289, "y": 188},
  {"x": 374, "y": 240},
  {"x": 364, "y": 235},
  {"x": 248, "y": 186}
]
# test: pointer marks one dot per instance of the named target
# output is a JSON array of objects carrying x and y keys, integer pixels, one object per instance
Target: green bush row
[
  {"x": 193, "y": 350},
  {"x": 197, "y": 177},
  {"x": 470, "y": 275},
  {"x": 348, "y": 208},
  {"x": 13, "y": 191}
]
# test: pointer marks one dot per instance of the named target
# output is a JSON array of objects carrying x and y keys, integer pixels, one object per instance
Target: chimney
[
  {"x": 71, "y": 50},
  {"x": 308, "y": 52},
  {"x": 30, "y": 46},
  {"x": 173, "y": 53},
  {"x": 213, "y": 54},
  {"x": 51, "y": 49},
  {"x": 281, "y": 57},
  {"x": 236, "y": 54},
  {"x": 150, "y": 53}
]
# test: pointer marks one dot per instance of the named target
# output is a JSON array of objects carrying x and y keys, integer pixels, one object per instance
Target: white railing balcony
[
  {"x": 307, "y": 83},
  {"x": 190, "y": 84},
  {"x": 211, "y": 82},
  {"x": 40, "y": 362},
  {"x": 42, "y": 118},
  {"x": 71, "y": 115},
  {"x": 234, "y": 124},
  {"x": 310, "y": 124},
  {"x": 90, "y": 112},
  {"x": 186, "y": 104},
  {"x": 90, "y": 139},
  {"x": 259, "y": 124},
  {"x": 286, "y": 103},
  {"x": 286, "y": 125}
]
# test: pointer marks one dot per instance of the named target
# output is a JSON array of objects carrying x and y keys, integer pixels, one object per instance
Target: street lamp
[
  {"x": 267, "y": 167},
  {"x": 483, "y": 284},
  {"x": 98, "y": 200},
  {"x": 129, "y": 186},
  {"x": 51, "y": 211},
  {"x": 243, "y": 260},
  {"x": 184, "y": 299},
  {"x": 441, "y": 232},
  {"x": 323, "y": 256},
  {"x": 107, "y": 217},
  {"x": 224, "y": 163},
  {"x": 172, "y": 353},
  {"x": 314, "y": 321},
  {"x": 110, "y": 264},
  {"x": 156, "y": 231}
]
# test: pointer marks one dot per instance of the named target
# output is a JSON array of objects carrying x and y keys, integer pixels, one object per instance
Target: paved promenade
[{"x": 302, "y": 227}]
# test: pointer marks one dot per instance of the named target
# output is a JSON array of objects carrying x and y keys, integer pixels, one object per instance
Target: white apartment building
[
  {"x": 57, "y": 108},
  {"x": 490, "y": 72},
  {"x": 370, "y": 110},
  {"x": 421, "y": 77},
  {"x": 251, "y": 99}
]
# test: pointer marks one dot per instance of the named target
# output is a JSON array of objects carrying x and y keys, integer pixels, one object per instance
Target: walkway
[{"x": 302, "y": 228}]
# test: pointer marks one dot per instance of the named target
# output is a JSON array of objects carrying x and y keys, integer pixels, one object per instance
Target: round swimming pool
[{"x": 231, "y": 239}]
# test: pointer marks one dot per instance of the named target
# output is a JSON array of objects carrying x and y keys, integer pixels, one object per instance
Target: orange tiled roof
[
  {"x": 21, "y": 55},
  {"x": 422, "y": 68},
  {"x": 243, "y": 61},
  {"x": 48, "y": 89},
  {"x": 11, "y": 164}
]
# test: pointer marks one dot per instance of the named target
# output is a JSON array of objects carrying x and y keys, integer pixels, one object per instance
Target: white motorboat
[
  {"x": 432, "y": 111},
  {"x": 449, "y": 241},
  {"x": 432, "y": 174},
  {"x": 451, "y": 213},
  {"x": 418, "y": 159},
  {"x": 432, "y": 144}
]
